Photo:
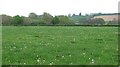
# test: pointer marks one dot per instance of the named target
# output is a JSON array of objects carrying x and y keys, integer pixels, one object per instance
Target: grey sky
[{"x": 57, "y": 7}]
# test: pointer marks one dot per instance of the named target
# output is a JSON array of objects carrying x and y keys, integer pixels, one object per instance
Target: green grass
[
  {"x": 0, "y": 45},
  {"x": 60, "y": 45}
]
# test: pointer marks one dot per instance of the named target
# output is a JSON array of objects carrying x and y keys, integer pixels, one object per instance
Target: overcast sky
[{"x": 57, "y": 7}]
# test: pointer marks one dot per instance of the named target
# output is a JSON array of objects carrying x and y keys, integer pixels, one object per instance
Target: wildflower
[
  {"x": 24, "y": 63},
  {"x": 62, "y": 56},
  {"x": 14, "y": 47},
  {"x": 51, "y": 63},
  {"x": 93, "y": 61},
  {"x": 69, "y": 55},
  {"x": 83, "y": 53},
  {"x": 38, "y": 60},
  {"x": 37, "y": 56},
  {"x": 71, "y": 63},
  {"x": 89, "y": 58}
]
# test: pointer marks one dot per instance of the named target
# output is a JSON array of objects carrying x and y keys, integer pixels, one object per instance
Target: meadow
[
  {"x": 0, "y": 45},
  {"x": 59, "y": 45}
]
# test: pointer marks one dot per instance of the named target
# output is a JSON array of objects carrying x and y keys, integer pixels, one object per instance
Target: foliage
[
  {"x": 26, "y": 21},
  {"x": 64, "y": 20},
  {"x": 97, "y": 21},
  {"x": 17, "y": 20},
  {"x": 55, "y": 20},
  {"x": 6, "y": 20},
  {"x": 32, "y": 15},
  {"x": 47, "y": 18}
]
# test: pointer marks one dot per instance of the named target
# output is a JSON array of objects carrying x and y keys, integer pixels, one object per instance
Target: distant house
[{"x": 108, "y": 17}]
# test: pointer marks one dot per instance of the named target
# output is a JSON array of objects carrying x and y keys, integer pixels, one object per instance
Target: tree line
[{"x": 47, "y": 19}]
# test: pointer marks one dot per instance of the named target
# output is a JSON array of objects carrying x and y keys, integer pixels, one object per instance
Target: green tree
[
  {"x": 99, "y": 21},
  {"x": 32, "y": 15},
  {"x": 6, "y": 20},
  {"x": 47, "y": 18},
  {"x": 26, "y": 21},
  {"x": 55, "y": 20},
  {"x": 17, "y": 20},
  {"x": 64, "y": 20},
  {"x": 80, "y": 14}
]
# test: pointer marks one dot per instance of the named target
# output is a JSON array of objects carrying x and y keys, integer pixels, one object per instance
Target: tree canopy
[
  {"x": 48, "y": 19},
  {"x": 55, "y": 20},
  {"x": 18, "y": 20}
]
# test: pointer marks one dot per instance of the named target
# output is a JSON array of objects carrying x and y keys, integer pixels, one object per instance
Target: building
[{"x": 108, "y": 17}]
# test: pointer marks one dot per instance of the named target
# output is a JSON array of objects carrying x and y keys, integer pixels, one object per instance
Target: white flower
[
  {"x": 51, "y": 63},
  {"x": 69, "y": 55},
  {"x": 38, "y": 60},
  {"x": 83, "y": 53},
  {"x": 24, "y": 63},
  {"x": 14, "y": 47},
  {"x": 62, "y": 56},
  {"x": 92, "y": 60},
  {"x": 71, "y": 63}
]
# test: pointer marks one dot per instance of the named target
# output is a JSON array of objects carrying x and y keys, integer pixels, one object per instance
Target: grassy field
[
  {"x": 0, "y": 45},
  {"x": 60, "y": 45}
]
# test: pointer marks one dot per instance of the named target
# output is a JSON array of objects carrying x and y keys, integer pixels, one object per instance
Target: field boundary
[{"x": 82, "y": 25}]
